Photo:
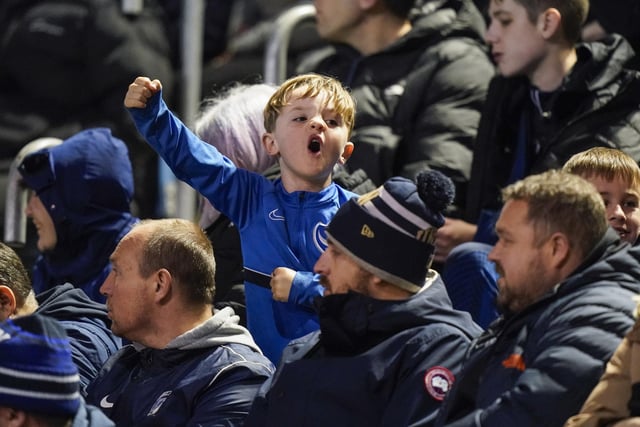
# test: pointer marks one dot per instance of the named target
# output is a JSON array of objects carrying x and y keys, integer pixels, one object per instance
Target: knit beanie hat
[
  {"x": 37, "y": 374},
  {"x": 390, "y": 231}
]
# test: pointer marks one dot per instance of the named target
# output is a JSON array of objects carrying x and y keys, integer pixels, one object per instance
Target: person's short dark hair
[
  {"x": 13, "y": 274},
  {"x": 181, "y": 247},
  {"x": 574, "y": 14}
]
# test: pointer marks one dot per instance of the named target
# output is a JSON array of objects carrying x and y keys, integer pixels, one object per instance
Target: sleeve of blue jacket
[
  {"x": 305, "y": 288},
  {"x": 195, "y": 162}
]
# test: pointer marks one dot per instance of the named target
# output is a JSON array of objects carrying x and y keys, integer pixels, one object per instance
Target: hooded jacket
[
  {"x": 537, "y": 367},
  {"x": 206, "y": 376},
  {"x": 87, "y": 325},
  {"x": 419, "y": 99},
  {"x": 86, "y": 185},
  {"x": 597, "y": 105},
  {"x": 373, "y": 363}
]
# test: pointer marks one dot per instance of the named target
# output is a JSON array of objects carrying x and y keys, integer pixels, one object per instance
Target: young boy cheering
[{"x": 308, "y": 124}]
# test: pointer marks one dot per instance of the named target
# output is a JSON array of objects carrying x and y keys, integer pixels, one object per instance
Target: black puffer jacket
[
  {"x": 418, "y": 100},
  {"x": 597, "y": 105}
]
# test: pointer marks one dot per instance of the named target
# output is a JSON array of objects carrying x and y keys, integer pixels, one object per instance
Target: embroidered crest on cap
[{"x": 438, "y": 381}]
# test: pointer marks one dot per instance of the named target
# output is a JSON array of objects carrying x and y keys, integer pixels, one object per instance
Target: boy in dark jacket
[{"x": 553, "y": 99}]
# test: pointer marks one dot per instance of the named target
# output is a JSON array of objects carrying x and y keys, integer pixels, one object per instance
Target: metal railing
[
  {"x": 15, "y": 219},
  {"x": 275, "y": 56}
]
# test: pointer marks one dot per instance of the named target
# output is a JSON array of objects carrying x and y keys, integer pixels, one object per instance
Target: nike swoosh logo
[
  {"x": 273, "y": 216},
  {"x": 104, "y": 403}
]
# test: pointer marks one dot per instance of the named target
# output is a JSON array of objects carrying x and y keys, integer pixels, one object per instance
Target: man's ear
[
  {"x": 346, "y": 153},
  {"x": 270, "y": 144},
  {"x": 559, "y": 250},
  {"x": 549, "y": 23},
  {"x": 163, "y": 285},
  {"x": 7, "y": 302}
]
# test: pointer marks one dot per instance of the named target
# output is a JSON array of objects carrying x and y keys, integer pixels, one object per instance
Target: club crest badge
[{"x": 438, "y": 382}]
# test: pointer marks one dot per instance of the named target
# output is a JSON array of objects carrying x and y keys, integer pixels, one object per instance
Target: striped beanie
[
  {"x": 390, "y": 231},
  {"x": 37, "y": 374}
]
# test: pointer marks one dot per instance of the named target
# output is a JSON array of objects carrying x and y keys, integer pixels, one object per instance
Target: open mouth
[
  {"x": 621, "y": 232},
  {"x": 314, "y": 145}
]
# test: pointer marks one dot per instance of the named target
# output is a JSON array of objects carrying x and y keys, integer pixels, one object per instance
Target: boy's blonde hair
[
  {"x": 312, "y": 85},
  {"x": 607, "y": 163}
]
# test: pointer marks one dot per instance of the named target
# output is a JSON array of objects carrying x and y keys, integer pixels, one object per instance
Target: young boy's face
[
  {"x": 622, "y": 206},
  {"x": 310, "y": 138},
  {"x": 517, "y": 46}
]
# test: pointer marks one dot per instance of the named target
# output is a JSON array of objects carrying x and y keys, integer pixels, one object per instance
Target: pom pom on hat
[
  {"x": 390, "y": 231},
  {"x": 37, "y": 374},
  {"x": 435, "y": 190}
]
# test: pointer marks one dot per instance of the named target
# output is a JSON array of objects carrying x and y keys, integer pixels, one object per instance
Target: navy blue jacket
[
  {"x": 373, "y": 363},
  {"x": 537, "y": 367},
  {"x": 87, "y": 325},
  {"x": 207, "y": 376}
]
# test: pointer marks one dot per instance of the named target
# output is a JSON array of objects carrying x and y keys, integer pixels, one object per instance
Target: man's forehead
[
  {"x": 514, "y": 212},
  {"x": 128, "y": 243}
]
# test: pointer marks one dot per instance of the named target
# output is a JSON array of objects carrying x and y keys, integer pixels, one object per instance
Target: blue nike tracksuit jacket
[{"x": 277, "y": 228}]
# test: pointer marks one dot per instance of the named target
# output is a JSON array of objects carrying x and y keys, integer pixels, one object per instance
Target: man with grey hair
[{"x": 187, "y": 363}]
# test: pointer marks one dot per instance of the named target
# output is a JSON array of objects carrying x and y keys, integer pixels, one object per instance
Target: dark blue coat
[
  {"x": 87, "y": 325},
  {"x": 373, "y": 363},
  {"x": 537, "y": 367},
  {"x": 208, "y": 376}
]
